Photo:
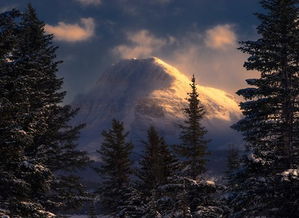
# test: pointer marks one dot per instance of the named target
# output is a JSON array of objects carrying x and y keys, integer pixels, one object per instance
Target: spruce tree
[
  {"x": 115, "y": 168},
  {"x": 35, "y": 123},
  {"x": 54, "y": 141},
  {"x": 192, "y": 150},
  {"x": 157, "y": 164},
  {"x": 157, "y": 168},
  {"x": 232, "y": 169},
  {"x": 174, "y": 201},
  {"x": 134, "y": 205},
  {"x": 195, "y": 195},
  {"x": 270, "y": 126},
  {"x": 233, "y": 159},
  {"x": 186, "y": 197},
  {"x": 37, "y": 58},
  {"x": 92, "y": 210},
  {"x": 22, "y": 179}
]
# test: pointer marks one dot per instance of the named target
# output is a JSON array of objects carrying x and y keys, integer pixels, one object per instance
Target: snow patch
[
  {"x": 290, "y": 174},
  {"x": 255, "y": 159}
]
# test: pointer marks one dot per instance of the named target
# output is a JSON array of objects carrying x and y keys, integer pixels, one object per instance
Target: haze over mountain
[{"x": 144, "y": 92}]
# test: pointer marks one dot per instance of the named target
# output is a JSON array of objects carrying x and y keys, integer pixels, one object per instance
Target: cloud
[
  {"x": 73, "y": 32},
  {"x": 142, "y": 44},
  {"x": 90, "y": 2},
  {"x": 220, "y": 37}
]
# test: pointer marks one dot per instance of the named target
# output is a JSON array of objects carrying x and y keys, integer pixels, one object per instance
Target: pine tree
[
  {"x": 157, "y": 168},
  {"x": 152, "y": 209},
  {"x": 54, "y": 141},
  {"x": 233, "y": 159},
  {"x": 174, "y": 201},
  {"x": 35, "y": 124},
  {"x": 195, "y": 195},
  {"x": 233, "y": 167},
  {"x": 134, "y": 205},
  {"x": 115, "y": 168},
  {"x": 186, "y": 197},
  {"x": 270, "y": 126},
  {"x": 193, "y": 147},
  {"x": 22, "y": 179},
  {"x": 157, "y": 164},
  {"x": 36, "y": 54},
  {"x": 92, "y": 210}
]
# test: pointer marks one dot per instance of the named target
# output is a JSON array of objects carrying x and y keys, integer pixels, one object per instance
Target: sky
[{"x": 198, "y": 37}]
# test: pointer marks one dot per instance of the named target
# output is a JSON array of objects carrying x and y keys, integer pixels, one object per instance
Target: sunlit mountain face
[
  {"x": 145, "y": 92},
  {"x": 219, "y": 104}
]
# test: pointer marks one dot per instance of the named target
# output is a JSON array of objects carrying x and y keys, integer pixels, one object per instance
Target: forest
[{"x": 38, "y": 143}]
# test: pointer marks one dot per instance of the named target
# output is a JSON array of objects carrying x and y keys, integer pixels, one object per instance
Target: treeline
[{"x": 37, "y": 144}]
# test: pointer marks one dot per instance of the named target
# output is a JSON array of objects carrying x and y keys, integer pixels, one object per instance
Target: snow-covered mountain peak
[{"x": 144, "y": 92}]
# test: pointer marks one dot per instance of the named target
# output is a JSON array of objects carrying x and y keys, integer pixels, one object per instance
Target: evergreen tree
[
  {"x": 134, "y": 205},
  {"x": 54, "y": 142},
  {"x": 115, "y": 168},
  {"x": 186, "y": 197},
  {"x": 233, "y": 159},
  {"x": 35, "y": 124},
  {"x": 152, "y": 209},
  {"x": 194, "y": 195},
  {"x": 233, "y": 167},
  {"x": 157, "y": 168},
  {"x": 157, "y": 165},
  {"x": 193, "y": 147},
  {"x": 36, "y": 57},
  {"x": 22, "y": 179},
  {"x": 174, "y": 201},
  {"x": 270, "y": 126},
  {"x": 92, "y": 210}
]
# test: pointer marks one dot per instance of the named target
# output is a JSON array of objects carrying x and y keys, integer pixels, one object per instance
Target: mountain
[{"x": 144, "y": 92}]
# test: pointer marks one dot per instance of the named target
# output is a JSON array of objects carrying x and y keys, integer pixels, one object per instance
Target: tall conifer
[
  {"x": 31, "y": 102},
  {"x": 115, "y": 169},
  {"x": 157, "y": 165},
  {"x": 22, "y": 179},
  {"x": 270, "y": 126},
  {"x": 233, "y": 159},
  {"x": 192, "y": 150},
  {"x": 54, "y": 141}
]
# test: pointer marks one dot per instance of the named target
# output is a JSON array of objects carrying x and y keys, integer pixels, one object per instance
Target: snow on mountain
[{"x": 144, "y": 92}]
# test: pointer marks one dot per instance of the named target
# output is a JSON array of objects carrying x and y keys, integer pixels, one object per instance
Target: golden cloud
[
  {"x": 72, "y": 32},
  {"x": 220, "y": 37}
]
